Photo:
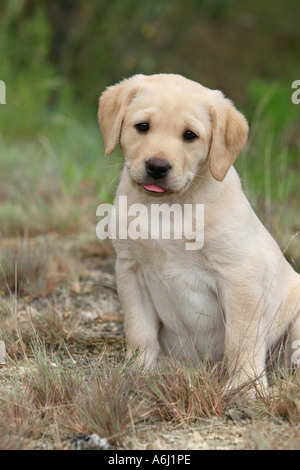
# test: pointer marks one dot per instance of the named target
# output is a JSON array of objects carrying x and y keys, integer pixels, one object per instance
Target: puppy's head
[{"x": 170, "y": 130}]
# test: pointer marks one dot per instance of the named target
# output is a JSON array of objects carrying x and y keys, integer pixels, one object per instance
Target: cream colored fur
[{"x": 236, "y": 296}]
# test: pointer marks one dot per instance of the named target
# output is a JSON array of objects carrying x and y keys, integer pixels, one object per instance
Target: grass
[
  {"x": 50, "y": 396},
  {"x": 54, "y": 181},
  {"x": 55, "y": 386},
  {"x": 269, "y": 165},
  {"x": 32, "y": 268}
]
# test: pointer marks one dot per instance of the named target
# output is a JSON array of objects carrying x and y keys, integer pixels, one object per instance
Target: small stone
[{"x": 89, "y": 442}]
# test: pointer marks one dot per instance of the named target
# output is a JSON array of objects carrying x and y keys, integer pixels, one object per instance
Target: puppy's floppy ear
[
  {"x": 112, "y": 108},
  {"x": 229, "y": 135}
]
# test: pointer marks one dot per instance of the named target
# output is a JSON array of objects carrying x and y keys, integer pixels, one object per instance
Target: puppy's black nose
[{"x": 157, "y": 167}]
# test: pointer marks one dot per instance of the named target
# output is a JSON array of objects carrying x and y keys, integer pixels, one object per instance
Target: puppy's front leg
[
  {"x": 140, "y": 317},
  {"x": 245, "y": 338}
]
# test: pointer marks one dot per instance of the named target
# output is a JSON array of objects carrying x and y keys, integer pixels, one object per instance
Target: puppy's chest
[{"x": 181, "y": 287}]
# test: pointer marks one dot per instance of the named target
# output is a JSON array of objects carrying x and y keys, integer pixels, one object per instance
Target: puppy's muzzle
[{"x": 157, "y": 167}]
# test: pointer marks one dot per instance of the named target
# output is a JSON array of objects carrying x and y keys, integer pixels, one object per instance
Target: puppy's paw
[
  {"x": 145, "y": 360},
  {"x": 252, "y": 388}
]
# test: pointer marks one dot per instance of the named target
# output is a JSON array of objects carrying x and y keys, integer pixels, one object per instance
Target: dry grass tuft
[
  {"x": 181, "y": 391},
  {"x": 52, "y": 384},
  {"x": 57, "y": 326},
  {"x": 283, "y": 399},
  {"x": 21, "y": 421},
  {"x": 34, "y": 268},
  {"x": 112, "y": 398},
  {"x": 54, "y": 393},
  {"x": 107, "y": 404}
]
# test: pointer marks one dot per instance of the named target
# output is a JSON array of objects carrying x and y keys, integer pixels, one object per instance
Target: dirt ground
[{"x": 93, "y": 313}]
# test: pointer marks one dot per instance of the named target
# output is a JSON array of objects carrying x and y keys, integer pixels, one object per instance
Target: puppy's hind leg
[
  {"x": 292, "y": 353},
  {"x": 292, "y": 306}
]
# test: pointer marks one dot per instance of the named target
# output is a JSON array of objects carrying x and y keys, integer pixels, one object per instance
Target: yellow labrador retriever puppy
[{"x": 237, "y": 295}]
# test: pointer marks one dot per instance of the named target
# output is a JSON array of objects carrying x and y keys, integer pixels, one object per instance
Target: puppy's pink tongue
[{"x": 154, "y": 188}]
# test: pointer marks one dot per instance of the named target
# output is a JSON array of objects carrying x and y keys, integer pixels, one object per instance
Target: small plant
[
  {"x": 21, "y": 420},
  {"x": 107, "y": 404},
  {"x": 183, "y": 391}
]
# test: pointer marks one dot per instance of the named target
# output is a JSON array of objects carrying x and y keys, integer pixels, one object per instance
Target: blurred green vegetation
[
  {"x": 57, "y": 57},
  {"x": 82, "y": 46}
]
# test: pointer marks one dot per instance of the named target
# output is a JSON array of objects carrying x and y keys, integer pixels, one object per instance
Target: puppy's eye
[
  {"x": 189, "y": 135},
  {"x": 142, "y": 127}
]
